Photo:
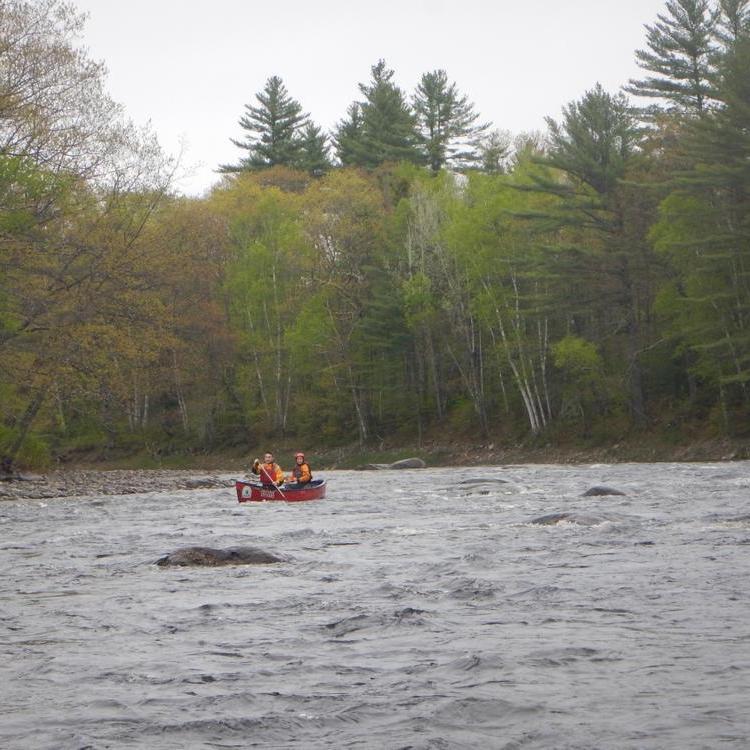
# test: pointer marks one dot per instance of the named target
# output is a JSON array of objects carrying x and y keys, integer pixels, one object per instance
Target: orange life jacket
[{"x": 301, "y": 471}]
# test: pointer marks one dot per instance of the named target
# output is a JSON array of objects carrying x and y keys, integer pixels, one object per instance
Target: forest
[{"x": 416, "y": 274}]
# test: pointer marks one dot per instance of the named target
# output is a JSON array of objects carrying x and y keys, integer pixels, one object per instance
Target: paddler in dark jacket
[
  {"x": 301, "y": 473},
  {"x": 268, "y": 471}
]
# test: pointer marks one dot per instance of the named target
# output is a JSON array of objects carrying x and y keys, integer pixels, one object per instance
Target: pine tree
[
  {"x": 494, "y": 150},
  {"x": 596, "y": 138},
  {"x": 313, "y": 150},
  {"x": 705, "y": 229},
  {"x": 447, "y": 121},
  {"x": 381, "y": 128},
  {"x": 348, "y": 136},
  {"x": 733, "y": 22},
  {"x": 594, "y": 147},
  {"x": 679, "y": 57},
  {"x": 273, "y": 130}
]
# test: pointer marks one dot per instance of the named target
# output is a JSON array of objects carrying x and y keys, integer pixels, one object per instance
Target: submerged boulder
[
  {"x": 210, "y": 557},
  {"x": 580, "y": 519},
  {"x": 404, "y": 463},
  {"x": 601, "y": 490}
]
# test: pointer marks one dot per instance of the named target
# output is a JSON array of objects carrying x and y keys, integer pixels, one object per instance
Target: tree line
[
  {"x": 438, "y": 127},
  {"x": 414, "y": 275}
]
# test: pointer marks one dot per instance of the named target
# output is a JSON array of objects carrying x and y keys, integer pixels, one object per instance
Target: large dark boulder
[
  {"x": 209, "y": 557},
  {"x": 408, "y": 463}
]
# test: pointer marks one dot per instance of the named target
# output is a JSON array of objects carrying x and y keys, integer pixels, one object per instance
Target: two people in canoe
[{"x": 271, "y": 473}]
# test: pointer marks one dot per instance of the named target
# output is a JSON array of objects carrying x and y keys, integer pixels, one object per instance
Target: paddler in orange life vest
[
  {"x": 268, "y": 471},
  {"x": 301, "y": 473}
]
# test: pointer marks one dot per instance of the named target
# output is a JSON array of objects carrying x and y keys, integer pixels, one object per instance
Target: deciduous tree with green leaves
[
  {"x": 266, "y": 282},
  {"x": 79, "y": 184},
  {"x": 344, "y": 222}
]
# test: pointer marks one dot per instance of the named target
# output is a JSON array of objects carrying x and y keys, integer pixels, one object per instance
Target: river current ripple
[{"x": 414, "y": 609}]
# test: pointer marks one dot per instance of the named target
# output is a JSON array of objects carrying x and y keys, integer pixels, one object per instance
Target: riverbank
[
  {"x": 641, "y": 449},
  {"x": 73, "y": 482},
  {"x": 98, "y": 477}
]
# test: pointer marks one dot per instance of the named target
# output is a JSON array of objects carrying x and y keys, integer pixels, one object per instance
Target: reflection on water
[{"x": 417, "y": 609}]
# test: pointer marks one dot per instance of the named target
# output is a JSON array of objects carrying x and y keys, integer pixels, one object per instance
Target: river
[{"x": 413, "y": 609}]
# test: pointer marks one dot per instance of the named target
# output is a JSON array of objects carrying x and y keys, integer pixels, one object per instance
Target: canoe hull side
[{"x": 249, "y": 492}]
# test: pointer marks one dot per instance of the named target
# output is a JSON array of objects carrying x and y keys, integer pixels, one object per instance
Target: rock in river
[
  {"x": 404, "y": 463},
  {"x": 580, "y": 519},
  {"x": 209, "y": 557},
  {"x": 601, "y": 490}
]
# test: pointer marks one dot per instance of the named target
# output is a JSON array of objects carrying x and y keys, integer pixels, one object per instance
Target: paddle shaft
[{"x": 278, "y": 489}]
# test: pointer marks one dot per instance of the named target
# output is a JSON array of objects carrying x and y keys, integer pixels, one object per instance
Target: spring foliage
[{"x": 439, "y": 279}]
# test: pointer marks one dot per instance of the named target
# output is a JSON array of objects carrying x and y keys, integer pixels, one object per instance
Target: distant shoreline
[{"x": 97, "y": 478}]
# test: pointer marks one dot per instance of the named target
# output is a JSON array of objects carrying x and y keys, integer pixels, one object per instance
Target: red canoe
[{"x": 251, "y": 492}]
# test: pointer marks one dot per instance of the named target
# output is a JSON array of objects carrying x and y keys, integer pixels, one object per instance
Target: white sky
[{"x": 190, "y": 66}]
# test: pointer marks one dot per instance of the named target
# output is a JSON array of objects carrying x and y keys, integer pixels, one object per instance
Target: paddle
[{"x": 278, "y": 489}]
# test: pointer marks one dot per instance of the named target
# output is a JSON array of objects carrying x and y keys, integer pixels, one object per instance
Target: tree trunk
[
  {"x": 178, "y": 389},
  {"x": 24, "y": 425},
  {"x": 361, "y": 421}
]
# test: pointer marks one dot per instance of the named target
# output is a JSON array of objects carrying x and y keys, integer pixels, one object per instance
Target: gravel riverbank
[
  {"x": 75, "y": 483},
  {"x": 85, "y": 482}
]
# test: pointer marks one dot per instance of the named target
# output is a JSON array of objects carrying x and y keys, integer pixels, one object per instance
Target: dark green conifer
[
  {"x": 733, "y": 22},
  {"x": 273, "y": 130},
  {"x": 705, "y": 229},
  {"x": 313, "y": 150},
  {"x": 494, "y": 150},
  {"x": 678, "y": 58},
  {"x": 595, "y": 140},
  {"x": 594, "y": 147},
  {"x": 448, "y": 123},
  {"x": 382, "y": 127},
  {"x": 348, "y": 136}
]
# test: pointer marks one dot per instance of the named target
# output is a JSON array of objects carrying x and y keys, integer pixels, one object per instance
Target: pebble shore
[{"x": 116, "y": 482}]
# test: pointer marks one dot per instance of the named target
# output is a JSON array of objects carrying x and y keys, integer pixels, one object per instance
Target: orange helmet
[{"x": 299, "y": 454}]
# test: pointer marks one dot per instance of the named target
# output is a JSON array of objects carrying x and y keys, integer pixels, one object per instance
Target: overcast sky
[{"x": 190, "y": 66}]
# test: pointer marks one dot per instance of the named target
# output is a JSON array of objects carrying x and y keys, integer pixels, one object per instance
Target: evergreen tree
[
  {"x": 387, "y": 130},
  {"x": 313, "y": 150},
  {"x": 596, "y": 138},
  {"x": 348, "y": 136},
  {"x": 494, "y": 150},
  {"x": 594, "y": 147},
  {"x": 705, "y": 229},
  {"x": 733, "y": 22},
  {"x": 448, "y": 122},
  {"x": 273, "y": 130},
  {"x": 678, "y": 57}
]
